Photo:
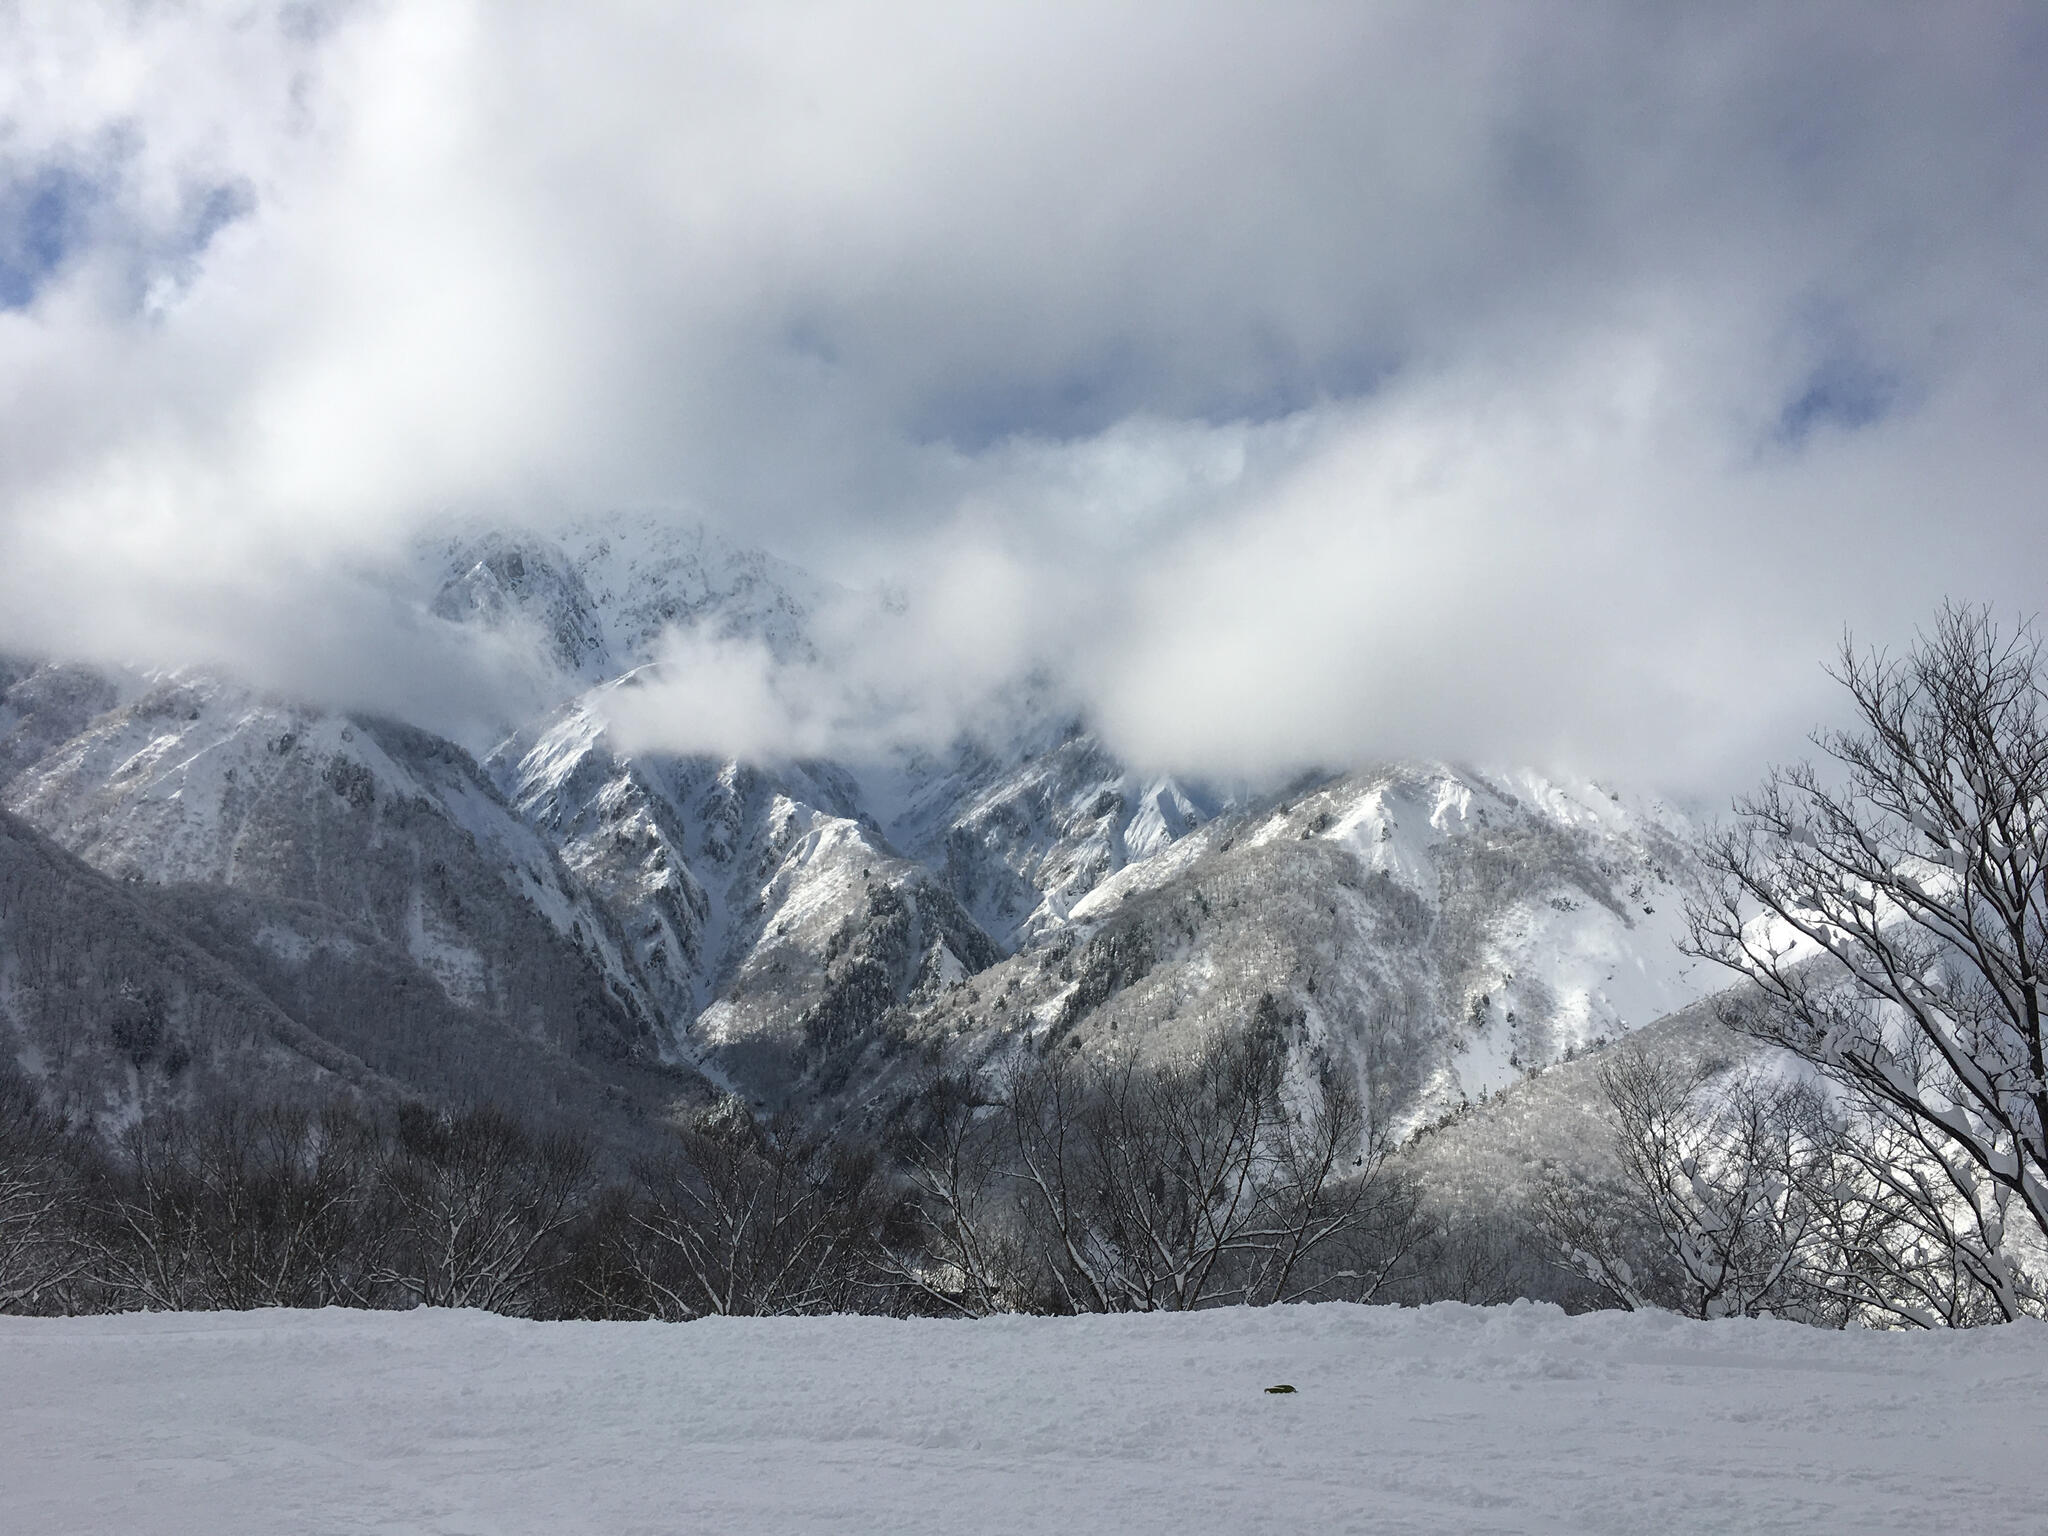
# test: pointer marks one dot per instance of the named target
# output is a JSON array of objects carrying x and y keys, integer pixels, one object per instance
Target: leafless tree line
[
  {"x": 1064, "y": 1183},
  {"x": 41, "y": 1262},
  {"x": 1061, "y": 1182},
  {"x": 239, "y": 1206}
]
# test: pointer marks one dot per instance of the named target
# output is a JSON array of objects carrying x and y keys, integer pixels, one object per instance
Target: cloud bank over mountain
[{"x": 1296, "y": 384}]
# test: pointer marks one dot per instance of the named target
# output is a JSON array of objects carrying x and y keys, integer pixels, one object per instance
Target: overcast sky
[{"x": 1300, "y": 382}]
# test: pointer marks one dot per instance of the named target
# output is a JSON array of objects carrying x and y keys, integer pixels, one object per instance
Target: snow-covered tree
[
  {"x": 1713, "y": 1213},
  {"x": 1891, "y": 909}
]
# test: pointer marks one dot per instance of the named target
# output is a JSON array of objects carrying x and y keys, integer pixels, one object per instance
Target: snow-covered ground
[{"x": 1449, "y": 1419}]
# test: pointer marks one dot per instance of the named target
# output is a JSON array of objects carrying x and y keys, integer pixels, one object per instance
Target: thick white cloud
[{"x": 1299, "y": 382}]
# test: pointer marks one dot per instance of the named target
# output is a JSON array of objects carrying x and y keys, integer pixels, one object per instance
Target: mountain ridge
[{"x": 812, "y": 934}]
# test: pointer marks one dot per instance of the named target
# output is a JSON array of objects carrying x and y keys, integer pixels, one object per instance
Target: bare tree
[
  {"x": 1892, "y": 915},
  {"x": 734, "y": 1222},
  {"x": 966, "y": 1252},
  {"x": 235, "y": 1207},
  {"x": 1195, "y": 1182},
  {"x": 1480, "y": 1253},
  {"x": 1719, "y": 1168},
  {"x": 1597, "y": 1230},
  {"x": 43, "y": 1252},
  {"x": 1711, "y": 1210},
  {"x": 475, "y": 1205},
  {"x": 604, "y": 1270},
  {"x": 1143, "y": 1181},
  {"x": 1336, "y": 1222}
]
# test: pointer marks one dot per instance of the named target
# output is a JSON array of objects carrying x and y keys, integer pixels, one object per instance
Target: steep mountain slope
[
  {"x": 1438, "y": 933},
  {"x": 1492, "y": 1157},
  {"x": 43, "y": 705},
  {"x": 372, "y": 999},
  {"x": 765, "y": 911},
  {"x": 124, "y": 996},
  {"x": 112, "y": 1007},
  {"x": 647, "y": 575},
  {"x": 366, "y": 853},
  {"x": 499, "y": 581}
]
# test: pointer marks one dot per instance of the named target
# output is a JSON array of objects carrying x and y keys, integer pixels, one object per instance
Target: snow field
[{"x": 1446, "y": 1419}]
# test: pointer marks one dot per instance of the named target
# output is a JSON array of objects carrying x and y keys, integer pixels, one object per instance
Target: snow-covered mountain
[
  {"x": 737, "y": 887},
  {"x": 332, "y": 862},
  {"x": 814, "y": 934},
  {"x": 125, "y": 996},
  {"x": 1025, "y": 833},
  {"x": 598, "y": 595},
  {"x": 1441, "y": 932}
]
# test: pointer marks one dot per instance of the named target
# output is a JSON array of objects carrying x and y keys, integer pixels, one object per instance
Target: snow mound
[{"x": 1446, "y": 1419}]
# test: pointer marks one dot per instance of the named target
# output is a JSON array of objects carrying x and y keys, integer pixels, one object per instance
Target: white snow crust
[{"x": 1446, "y": 1419}]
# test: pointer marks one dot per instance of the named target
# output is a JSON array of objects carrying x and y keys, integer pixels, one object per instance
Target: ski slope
[{"x": 1447, "y": 1419}]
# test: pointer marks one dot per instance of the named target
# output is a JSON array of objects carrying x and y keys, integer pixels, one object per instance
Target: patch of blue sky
[
  {"x": 53, "y": 213},
  {"x": 168, "y": 260},
  {"x": 1843, "y": 387},
  {"x": 46, "y": 216},
  {"x": 1078, "y": 401},
  {"x": 213, "y": 209},
  {"x": 1128, "y": 379},
  {"x": 1844, "y": 392}
]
